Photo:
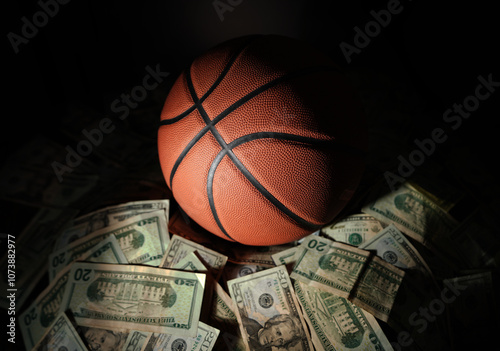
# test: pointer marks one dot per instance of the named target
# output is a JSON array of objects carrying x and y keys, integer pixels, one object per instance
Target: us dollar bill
[
  {"x": 268, "y": 311},
  {"x": 223, "y": 307},
  {"x": 313, "y": 265},
  {"x": 412, "y": 213},
  {"x": 135, "y": 340},
  {"x": 285, "y": 257},
  {"x": 142, "y": 238},
  {"x": 191, "y": 262},
  {"x": 391, "y": 245},
  {"x": 108, "y": 216},
  {"x": 103, "y": 339},
  {"x": 61, "y": 335},
  {"x": 377, "y": 288},
  {"x": 205, "y": 340},
  {"x": 337, "y": 324},
  {"x": 235, "y": 270},
  {"x": 224, "y": 318},
  {"x": 256, "y": 255},
  {"x": 37, "y": 318},
  {"x": 349, "y": 272},
  {"x": 354, "y": 229},
  {"x": 179, "y": 247},
  {"x": 134, "y": 297},
  {"x": 106, "y": 251}
]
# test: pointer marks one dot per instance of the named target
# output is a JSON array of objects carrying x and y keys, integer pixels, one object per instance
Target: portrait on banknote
[
  {"x": 104, "y": 339},
  {"x": 280, "y": 332}
]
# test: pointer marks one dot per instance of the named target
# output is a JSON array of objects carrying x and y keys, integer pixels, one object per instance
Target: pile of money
[
  {"x": 129, "y": 277},
  {"x": 132, "y": 277},
  {"x": 140, "y": 275}
]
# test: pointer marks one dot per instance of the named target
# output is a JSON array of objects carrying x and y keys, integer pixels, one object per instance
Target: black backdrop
[{"x": 92, "y": 51}]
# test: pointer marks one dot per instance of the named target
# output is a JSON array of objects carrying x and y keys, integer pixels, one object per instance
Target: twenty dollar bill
[
  {"x": 268, "y": 311},
  {"x": 142, "y": 238},
  {"x": 61, "y": 335},
  {"x": 337, "y": 324},
  {"x": 135, "y": 297},
  {"x": 369, "y": 282}
]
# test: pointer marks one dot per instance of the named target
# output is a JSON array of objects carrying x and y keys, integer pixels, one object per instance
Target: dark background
[{"x": 90, "y": 52}]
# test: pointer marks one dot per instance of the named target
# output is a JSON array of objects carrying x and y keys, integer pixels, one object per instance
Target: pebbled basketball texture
[{"x": 262, "y": 140}]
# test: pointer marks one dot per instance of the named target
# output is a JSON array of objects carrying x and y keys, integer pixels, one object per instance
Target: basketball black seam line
[
  {"x": 237, "y": 104},
  {"x": 211, "y": 201},
  {"x": 244, "y": 139},
  {"x": 222, "y": 143},
  {"x": 226, "y": 69},
  {"x": 353, "y": 151},
  {"x": 261, "y": 135}
]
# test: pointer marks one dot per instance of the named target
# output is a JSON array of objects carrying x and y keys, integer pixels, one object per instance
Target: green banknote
[
  {"x": 224, "y": 318},
  {"x": 286, "y": 257},
  {"x": 103, "y": 339},
  {"x": 413, "y": 213},
  {"x": 315, "y": 265},
  {"x": 205, "y": 340},
  {"x": 179, "y": 247},
  {"x": 134, "y": 297},
  {"x": 391, "y": 245},
  {"x": 61, "y": 335},
  {"x": 349, "y": 272},
  {"x": 191, "y": 262},
  {"x": 135, "y": 340},
  {"x": 354, "y": 229},
  {"x": 268, "y": 311},
  {"x": 35, "y": 319},
  {"x": 106, "y": 217},
  {"x": 223, "y": 307},
  {"x": 143, "y": 239},
  {"x": 112, "y": 339},
  {"x": 107, "y": 251},
  {"x": 337, "y": 324},
  {"x": 235, "y": 270}
]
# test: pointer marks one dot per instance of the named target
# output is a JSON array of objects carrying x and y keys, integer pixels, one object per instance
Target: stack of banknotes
[{"x": 135, "y": 276}]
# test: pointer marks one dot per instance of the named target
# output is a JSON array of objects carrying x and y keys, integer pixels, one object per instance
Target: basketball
[{"x": 262, "y": 140}]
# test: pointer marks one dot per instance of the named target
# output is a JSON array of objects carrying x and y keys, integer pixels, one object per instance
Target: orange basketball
[{"x": 262, "y": 140}]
